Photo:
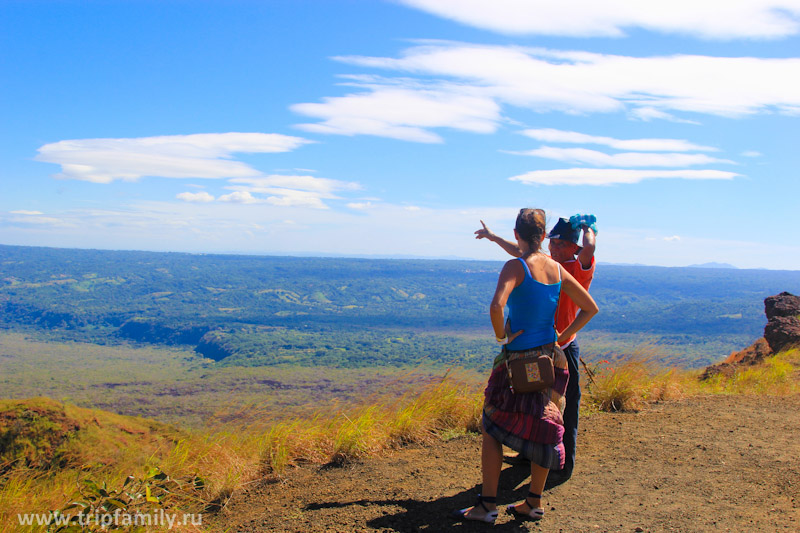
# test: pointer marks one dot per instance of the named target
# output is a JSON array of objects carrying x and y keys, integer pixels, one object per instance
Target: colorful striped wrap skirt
[{"x": 530, "y": 423}]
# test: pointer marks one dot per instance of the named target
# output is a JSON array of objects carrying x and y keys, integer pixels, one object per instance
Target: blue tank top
[{"x": 532, "y": 307}]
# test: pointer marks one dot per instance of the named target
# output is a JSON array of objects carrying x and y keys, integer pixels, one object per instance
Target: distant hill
[
  {"x": 712, "y": 265},
  {"x": 257, "y": 310}
]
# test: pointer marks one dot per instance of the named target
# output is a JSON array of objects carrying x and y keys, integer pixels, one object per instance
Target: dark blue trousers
[{"x": 573, "y": 398}]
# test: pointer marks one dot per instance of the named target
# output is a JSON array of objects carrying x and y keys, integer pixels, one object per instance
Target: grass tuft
[
  {"x": 443, "y": 409},
  {"x": 632, "y": 383},
  {"x": 776, "y": 376}
]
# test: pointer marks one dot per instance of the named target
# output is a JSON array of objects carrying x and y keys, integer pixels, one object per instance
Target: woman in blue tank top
[{"x": 530, "y": 423}]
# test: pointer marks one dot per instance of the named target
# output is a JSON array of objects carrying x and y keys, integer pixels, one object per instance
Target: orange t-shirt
[{"x": 567, "y": 309}]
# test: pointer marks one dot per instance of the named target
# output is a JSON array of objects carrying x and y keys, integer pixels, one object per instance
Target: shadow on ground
[{"x": 435, "y": 515}]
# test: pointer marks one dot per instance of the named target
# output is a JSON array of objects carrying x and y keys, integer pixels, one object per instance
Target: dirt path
[{"x": 702, "y": 464}]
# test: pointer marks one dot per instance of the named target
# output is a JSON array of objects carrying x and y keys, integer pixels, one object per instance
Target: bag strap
[{"x": 558, "y": 302}]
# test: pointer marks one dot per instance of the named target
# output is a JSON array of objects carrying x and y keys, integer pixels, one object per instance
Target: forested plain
[{"x": 350, "y": 313}]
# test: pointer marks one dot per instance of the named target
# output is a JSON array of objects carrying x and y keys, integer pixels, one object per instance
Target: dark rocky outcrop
[
  {"x": 749, "y": 356},
  {"x": 784, "y": 304},
  {"x": 781, "y": 332},
  {"x": 783, "y": 329}
]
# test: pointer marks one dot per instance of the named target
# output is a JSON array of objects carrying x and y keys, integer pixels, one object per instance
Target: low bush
[{"x": 631, "y": 384}]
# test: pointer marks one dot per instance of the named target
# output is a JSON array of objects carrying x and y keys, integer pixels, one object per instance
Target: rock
[
  {"x": 784, "y": 304},
  {"x": 782, "y": 332},
  {"x": 726, "y": 369},
  {"x": 783, "y": 327},
  {"x": 751, "y": 355}
]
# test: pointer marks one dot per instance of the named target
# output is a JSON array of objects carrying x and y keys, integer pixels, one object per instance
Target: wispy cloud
[
  {"x": 639, "y": 145},
  {"x": 35, "y": 219},
  {"x": 403, "y": 114},
  {"x": 287, "y": 191},
  {"x": 240, "y": 197},
  {"x": 203, "y": 155},
  {"x": 646, "y": 114},
  {"x": 653, "y": 152},
  {"x": 465, "y": 87},
  {"x": 388, "y": 229},
  {"x": 361, "y": 205},
  {"x": 613, "y": 176},
  {"x": 197, "y": 197},
  {"x": 625, "y": 159},
  {"x": 707, "y": 19},
  {"x": 304, "y": 183}
]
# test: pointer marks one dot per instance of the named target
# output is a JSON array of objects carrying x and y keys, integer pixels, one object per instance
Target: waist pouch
[{"x": 530, "y": 370}]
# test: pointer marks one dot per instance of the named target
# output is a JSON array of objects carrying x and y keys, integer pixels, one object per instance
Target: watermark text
[{"x": 118, "y": 518}]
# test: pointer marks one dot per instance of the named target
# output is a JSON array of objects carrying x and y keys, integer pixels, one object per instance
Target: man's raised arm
[
  {"x": 508, "y": 246},
  {"x": 587, "y": 247}
]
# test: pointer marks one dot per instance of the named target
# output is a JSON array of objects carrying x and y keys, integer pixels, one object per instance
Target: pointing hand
[{"x": 484, "y": 233}]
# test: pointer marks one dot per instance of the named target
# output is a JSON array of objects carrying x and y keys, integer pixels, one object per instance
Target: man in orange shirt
[{"x": 578, "y": 261}]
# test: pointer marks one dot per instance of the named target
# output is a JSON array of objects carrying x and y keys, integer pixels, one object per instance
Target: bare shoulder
[
  {"x": 512, "y": 267},
  {"x": 554, "y": 269},
  {"x": 544, "y": 269}
]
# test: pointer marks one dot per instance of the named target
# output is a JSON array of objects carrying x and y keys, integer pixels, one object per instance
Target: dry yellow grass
[
  {"x": 450, "y": 406},
  {"x": 226, "y": 459},
  {"x": 631, "y": 384},
  {"x": 113, "y": 447},
  {"x": 107, "y": 447},
  {"x": 777, "y": 375}
]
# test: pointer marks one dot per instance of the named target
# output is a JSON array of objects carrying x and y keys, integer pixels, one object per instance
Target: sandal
[
  {"x": 485, "y": 516},
  {"x": 536, "y": 513}
]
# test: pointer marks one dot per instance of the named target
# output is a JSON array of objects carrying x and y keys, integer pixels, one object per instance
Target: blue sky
[{"x": 369, "y": 127}]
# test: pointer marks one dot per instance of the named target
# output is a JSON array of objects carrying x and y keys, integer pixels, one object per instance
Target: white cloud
[
  {"x": 280, "y": 190},
  {"x": 239, "y": 197},
  {"x": 203, "y": 155},
  {"x": 411, "y": 208},
  {"x": 625, "y": 159},
  {"x": 231, "y": 227},
  {"x": 292, "y": 198},
  {"x": 708, "y": 19},
  {"x": 672, "y": 238},
  {"x": 402, "y": 114},
  {"x": 199, "y": 197},
  {"x": 646, "y": 114},
  {"x": 639, "y": 145},
  {"x": 26, "y": 218},
  {"x": 463, "y": 86},
  {"x": 304, "y": 183},
  {"x": 386, "y": 230},
  {"x": 360, "y": 205},
  {"x": 647, "y": 245},
  {"x": 751, "y": 153},
  {"x": 30, "y": 220},
  {"x": 612, "y": 176}
]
